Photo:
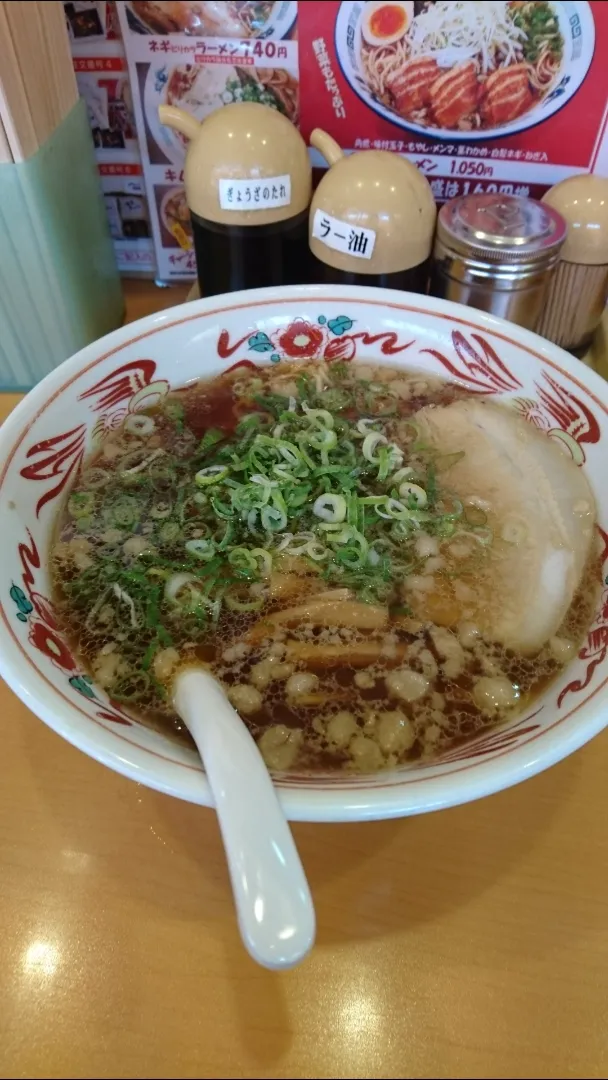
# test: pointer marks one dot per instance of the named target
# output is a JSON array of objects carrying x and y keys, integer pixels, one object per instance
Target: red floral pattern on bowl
[
  {"x": 301, "y": 340},
  {"x": 43, "y": 443}
]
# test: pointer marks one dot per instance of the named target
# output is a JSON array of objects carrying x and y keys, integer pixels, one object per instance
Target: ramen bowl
[
  {"x": 576, "y": 27},
  {"x": 70, "y": 413}
]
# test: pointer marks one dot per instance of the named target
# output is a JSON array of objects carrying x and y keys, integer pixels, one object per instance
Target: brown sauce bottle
[
  {"x": 371, "y": 220},
  {"x": 248, "y": 186}
]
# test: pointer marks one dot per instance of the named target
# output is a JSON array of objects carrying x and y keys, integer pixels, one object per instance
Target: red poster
[{"x": 498, "y": 96}]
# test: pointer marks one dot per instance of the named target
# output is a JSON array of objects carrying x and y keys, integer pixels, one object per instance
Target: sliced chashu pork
[{"x": 539, "y": 505}]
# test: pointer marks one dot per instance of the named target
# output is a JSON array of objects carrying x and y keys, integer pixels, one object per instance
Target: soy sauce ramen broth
[{"x": 288, "y": 528}]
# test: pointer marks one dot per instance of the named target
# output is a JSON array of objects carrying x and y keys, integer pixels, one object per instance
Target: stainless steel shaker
[{"x": 497, "y": 253}]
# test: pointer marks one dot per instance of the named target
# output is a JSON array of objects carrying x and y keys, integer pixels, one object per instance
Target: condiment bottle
[
  {"x": 497, "y": 253},
  {"x": 371, "y": 219},
  {"x": 579, "y": 289},
  {"x": 248, "y": 185}
]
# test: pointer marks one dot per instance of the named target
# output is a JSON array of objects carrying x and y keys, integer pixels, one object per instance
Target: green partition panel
[{"x": 59, "y": 285}]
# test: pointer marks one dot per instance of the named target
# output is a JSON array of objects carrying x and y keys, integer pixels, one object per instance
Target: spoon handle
[{"x": 274, "y": 906}]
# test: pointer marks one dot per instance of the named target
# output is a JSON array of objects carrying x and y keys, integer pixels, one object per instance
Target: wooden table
[{"x": 470, "y": 943}]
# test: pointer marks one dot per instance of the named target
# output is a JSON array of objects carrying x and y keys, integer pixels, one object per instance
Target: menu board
[
  {"x": 103, "y": 82},
  {"x": 198, "y": 57},
  {"x": 481, "y": 96}
]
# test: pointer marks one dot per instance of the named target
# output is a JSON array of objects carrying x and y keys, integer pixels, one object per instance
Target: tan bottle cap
[
  {"x": 242, "y": 141},
  {"x": 583, "y": 203},
  {"x": 377, "y": 190}
]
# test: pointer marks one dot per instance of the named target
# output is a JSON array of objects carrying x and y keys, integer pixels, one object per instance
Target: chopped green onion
[
  {"x": 385, "y": 462},
  {"x": 396, "y": 455},
  {"x": 211, "y": 475},
  {"x": 330, "y": 508},
  {"x": 393, "y": 509},
  {"x": 257, "y": 478},
  {"x": 210, "y": 439},
  {"x": 221, "y": 508},
  {"x": 273, "y": 519},
  {"x": 299, "y": 478},
  {"x": 95, "y": 478},
  {"x": 475, "y": 516},
  {"x": 201, "y": 548},
  {"x": 402, "y": 474},
  {"x": 226, "y": 537},
  {"x": 176, "y": 584},
  {"x": 140, "y": 425},
  {"x": 161, "y": 509},
  {"x": 322, "y": 438},
  {"x": 81, "y": 503},
  {"x": 290, "y": 453},
  {"x": 316, "y": 551},
  {"x": 234, "y": 603},
  {"x": 322, "y": 415},
  {"x": 243, "y": 561},
  {"x": 370, "y": 443},
  {"x": 366, "y": 426},
  {"x": 175, "y": 411},
  {"x": 337, "y": 399},
  {"x": 295, "y": 545},
  {"x": 169, "y": 531},
  {"x": 415, "y": 492},
  {"x": 264, "y": 558},
  {"x": 282, "y": 472},
  {"x": 124, "y": 512},
  {"x": 132, "y": 687}
]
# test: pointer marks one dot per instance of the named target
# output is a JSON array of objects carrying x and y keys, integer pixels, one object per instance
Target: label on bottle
[
  {"x": 267, "y": 194},
  {"x": 341, "y": 236}
]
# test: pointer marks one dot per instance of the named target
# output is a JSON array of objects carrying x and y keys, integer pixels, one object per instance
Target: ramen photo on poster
[
  {"x": 465, "y": 69},
  {"x": 202, "y": 87},
  {"x": 174, "y": 217},
  {"x": 208, "y": 18}
]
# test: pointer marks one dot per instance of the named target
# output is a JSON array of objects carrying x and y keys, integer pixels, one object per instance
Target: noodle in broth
[{"x": 292, "y": 530}]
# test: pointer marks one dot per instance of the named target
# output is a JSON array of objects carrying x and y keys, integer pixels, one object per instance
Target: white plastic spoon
[{"x": 273, "y": 902}]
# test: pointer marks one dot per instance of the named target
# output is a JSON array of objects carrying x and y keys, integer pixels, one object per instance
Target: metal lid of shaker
[
  {"x": 505, "y": 229},
  {"x": 246, "y": 164}
]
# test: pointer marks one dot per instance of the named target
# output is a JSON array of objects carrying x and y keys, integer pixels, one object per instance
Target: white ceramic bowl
[
  {"x": 578, "y": 31},
  {"x": 44, "y": 440}
]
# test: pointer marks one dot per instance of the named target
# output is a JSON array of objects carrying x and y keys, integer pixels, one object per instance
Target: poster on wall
[
  {"x": 124, "y": 194},
  {"x": 481, "y": 96},
  {"x": 103, "y": 81},
  {"x": 198, "y": 57},
  {"x": 91, "y": 21}
]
